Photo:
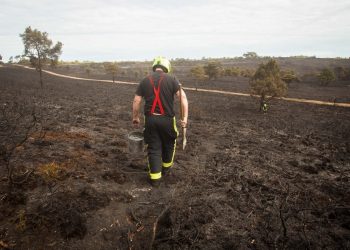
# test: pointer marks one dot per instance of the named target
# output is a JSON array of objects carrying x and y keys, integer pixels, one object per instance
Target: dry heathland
[{"x": 246, "y": 180}]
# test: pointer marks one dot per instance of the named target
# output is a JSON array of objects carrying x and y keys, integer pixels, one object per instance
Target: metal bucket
[{"x": 135, "y": 140}]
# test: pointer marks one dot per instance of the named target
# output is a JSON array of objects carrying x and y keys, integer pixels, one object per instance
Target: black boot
[
  {"x": 155, "y": 183},
  {"x": 165, "y": 171}
]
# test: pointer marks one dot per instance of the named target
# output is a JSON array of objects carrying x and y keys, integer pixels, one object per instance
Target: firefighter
[
  {"x": 265, "y": 107},
  {"x": 158, "y": 91}
]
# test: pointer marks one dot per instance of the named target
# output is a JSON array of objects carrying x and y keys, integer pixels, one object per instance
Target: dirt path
[{"x": 318, "y": 102}]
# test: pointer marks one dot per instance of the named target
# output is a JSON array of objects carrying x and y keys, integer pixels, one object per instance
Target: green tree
[
  {"x": 289, "y": 76},
  {"x": 233, "y": 71},
  {"x": 227, "y": 72},
  {"x": 342, "y": 74},
  {"x": 326, "y": 76},
  {"x": 40, "y": 49},
  {"x": 267, "y": 82},
  {"x": 111, "y": 68},
  {"x": 213, "y": 70},
  {"x": 136, "y": 74},
  {"x": 247, "y": 73},
  {"x": 88, "y": 70},
  {"x": 198, "y": 73},
  {"x": 250, "y": 54},
  {"x": 17, "y": 58}
]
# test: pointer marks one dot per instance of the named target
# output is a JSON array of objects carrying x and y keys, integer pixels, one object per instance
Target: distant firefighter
[{"x": 265, "y": 107}]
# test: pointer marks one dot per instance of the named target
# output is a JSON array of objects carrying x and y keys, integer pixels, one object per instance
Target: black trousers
[{"x": 160, "y": 136}]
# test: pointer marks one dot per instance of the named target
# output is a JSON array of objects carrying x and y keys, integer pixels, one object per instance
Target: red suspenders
[{"x": 157, "y": 96}]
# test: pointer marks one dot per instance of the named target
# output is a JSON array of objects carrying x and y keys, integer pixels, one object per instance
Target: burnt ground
[{"x": 245, "y": 181}]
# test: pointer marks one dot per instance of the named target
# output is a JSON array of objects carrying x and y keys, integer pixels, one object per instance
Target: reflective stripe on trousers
[{"x": 160, "y": 136}]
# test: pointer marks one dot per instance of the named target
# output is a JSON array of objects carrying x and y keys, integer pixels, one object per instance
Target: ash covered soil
[{"x": 245, "y": 181}]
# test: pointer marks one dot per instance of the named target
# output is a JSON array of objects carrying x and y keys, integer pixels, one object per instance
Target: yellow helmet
[{"x": 163, "y": 63}]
